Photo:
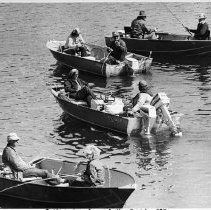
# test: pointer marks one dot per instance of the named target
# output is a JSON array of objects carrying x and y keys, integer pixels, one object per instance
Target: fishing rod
[{"x": 177, "y": 19}]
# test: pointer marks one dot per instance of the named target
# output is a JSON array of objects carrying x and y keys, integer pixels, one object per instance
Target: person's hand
[
  {"x": 187, "y": 29},
  {"x": 130, "y": 112},
  {"x": 109, "y": 49},
  {"x": 155, "y": 29},
  {"x": 117, "y": 43}
]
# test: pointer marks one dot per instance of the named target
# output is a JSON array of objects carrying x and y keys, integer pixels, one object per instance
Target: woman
[
  {"x": 94, "y": 174},
  {"x": 75, "y": 43},
  {"x": 141, "y": 102},
  {"x": 77, "y": 88}
]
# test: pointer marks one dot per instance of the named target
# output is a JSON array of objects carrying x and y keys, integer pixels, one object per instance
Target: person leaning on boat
[
  {"x": 75, "y": 43},
  {"x": 142, "y": 102},
  {"x": 117, "y": 49},
  {"x": 77, "y": 88},
  {"x": 18, "y": 166},
  {"x": 202, "y": 32},
  {"x": 94, "y": 174},
  {"x": 139, "y": 29}
]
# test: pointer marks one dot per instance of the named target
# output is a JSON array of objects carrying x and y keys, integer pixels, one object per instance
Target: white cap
[
  {"x": 12, "y": 137},
  {"x": 92, "y": 149},
  {"x": 202, "y": 16}
]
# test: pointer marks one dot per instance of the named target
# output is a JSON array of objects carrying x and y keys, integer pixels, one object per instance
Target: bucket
[{"x": 133, "y": 63}]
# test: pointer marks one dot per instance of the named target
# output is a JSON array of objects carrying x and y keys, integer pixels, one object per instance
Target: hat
[
  {"x": 92, "y": 149},
  {"x": 143, "y": 83},
  {"x": 114, "y": 34},
  {"x": 12, "y": 137},
  {"x": 202, "y": 16},
  {"x": 72, "y": 72},
  {"x": 142, "y": 14}
]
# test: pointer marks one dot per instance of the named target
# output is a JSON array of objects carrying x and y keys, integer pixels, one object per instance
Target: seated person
[
  {"x": 11, "y": 158},
  {"x": 118, "y": 50},
  {"x": 202, "y": 31},
  {"x": 94, "y": 174},
  {"x": 139, "y": 30},
  {"x": 142, "y": 102},
  {"x": 77, "y": 88},
  {"x": 75, "y": 44}
]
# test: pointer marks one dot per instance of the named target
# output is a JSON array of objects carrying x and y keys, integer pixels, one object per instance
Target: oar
[
  {"x": 24, "y": 183},
  {"x": 177, "y": 19}
]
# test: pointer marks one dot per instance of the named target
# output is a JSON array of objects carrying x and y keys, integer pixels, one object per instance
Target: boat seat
[
  {"x": 63, "y": 185},
  {"x": 29, "y": 179},
  {"x": 80, "y": 102},
  {"x": 127, "y": 30}
]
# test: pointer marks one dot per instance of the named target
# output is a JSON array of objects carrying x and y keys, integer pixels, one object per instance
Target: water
[{"x": 170, "y": 172}]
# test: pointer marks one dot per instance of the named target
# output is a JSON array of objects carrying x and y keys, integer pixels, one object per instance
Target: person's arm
[
  {"x": 140, "y": 103},
  {"x": 68, "y": 87}
]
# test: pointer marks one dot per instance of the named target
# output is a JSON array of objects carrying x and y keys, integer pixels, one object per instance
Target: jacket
[
  {"x": 119, "y": 50},
  {"x": 11, "y": 158},
  {"x": 72, "y": 87},
  {"x": 201, "y": 32}
]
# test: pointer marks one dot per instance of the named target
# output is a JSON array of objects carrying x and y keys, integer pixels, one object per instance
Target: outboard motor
[{"x": 161, "y": 102}]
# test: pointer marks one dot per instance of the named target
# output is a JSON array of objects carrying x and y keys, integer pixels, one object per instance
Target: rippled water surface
[{"x": 170, "y": 172}]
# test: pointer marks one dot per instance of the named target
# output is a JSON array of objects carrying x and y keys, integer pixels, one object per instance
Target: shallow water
[{"x": 170, "y": 172}]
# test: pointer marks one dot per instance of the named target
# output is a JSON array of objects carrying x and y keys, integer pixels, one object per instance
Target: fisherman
[
  {"x": 202, "y": 32},
  {"x": 142, "y": 102},
  {"x": 75, "y": 43},
  {"x": 77, "y": 88},
  {"x": 94, "y": 174},
  {"x": 139, "y": 30},
  {"x": 117, "y": 49},
  {"x": 11, "y": 159}
]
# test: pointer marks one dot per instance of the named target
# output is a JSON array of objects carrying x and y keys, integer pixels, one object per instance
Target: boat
[
  {"x": 95, "y": 63},
  {"x": 36, "y": 193},
  {"x": 168, "y": 47},
  {"x": 111, "y": 115}
]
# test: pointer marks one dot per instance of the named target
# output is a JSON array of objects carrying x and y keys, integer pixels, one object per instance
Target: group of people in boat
[{"x": 94, "y": 175}]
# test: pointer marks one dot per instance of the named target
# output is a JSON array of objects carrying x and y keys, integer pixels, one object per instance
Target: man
[
  {"x": 202, "y": 32},
  {"x": 118, "y": 49},
  {"x": 139, "y": 30},
  {"x": 11, "y": 158},
  {"x": 77, "y": 88}
]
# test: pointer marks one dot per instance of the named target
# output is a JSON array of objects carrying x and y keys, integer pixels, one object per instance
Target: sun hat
[
  {"x": 202, "y": 16},
  {"x": 115, "y": 34},
  {"x": 92, "y": 149},
  {"x": 142, "y": 14},
  {"x": 12, "y": 137}
]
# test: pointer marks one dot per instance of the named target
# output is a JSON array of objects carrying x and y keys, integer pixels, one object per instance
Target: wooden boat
[
  {"x": 95, "y": 62},
  {"x": 38, "y": 194},
  {"x": 117, "y": 122},
  {"x": 169, "y": 47}
]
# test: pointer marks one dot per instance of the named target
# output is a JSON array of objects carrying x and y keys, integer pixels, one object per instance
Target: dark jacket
[
  {"x": 201, "y": 32},
  {"x": 71, "y": 86},
  {"x": 119, "y": 50},
  {"x": 138, "y": 28}
]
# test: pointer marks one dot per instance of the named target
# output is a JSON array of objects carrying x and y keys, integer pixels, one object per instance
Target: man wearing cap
[
  {"x": 77, "y": 88},
  {"x": 202, "y": 32},
  {"x": 118, "y": 49},
  {"x": 11, "y": 158},
  {"x": 139, "y": 30}
]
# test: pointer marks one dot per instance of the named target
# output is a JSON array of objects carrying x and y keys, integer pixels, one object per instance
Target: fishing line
[{"x": 176, "y": 18}]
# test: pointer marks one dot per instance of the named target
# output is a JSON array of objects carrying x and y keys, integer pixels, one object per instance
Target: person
[
  {"x": 94, "y": 175},
  {"x": 117, "y": 49},
  {"x": 142, "y": 102},
  {"x": 11, "y": 159},
  {"x": 77, "y": 88},
  {"x": 139, "y": 30},
  {"x": 75, "y": 43},
  {"x": 202, "y": 32}
]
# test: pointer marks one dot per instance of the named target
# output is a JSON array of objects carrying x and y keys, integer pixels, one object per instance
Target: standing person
[
  {"x": 11, "y": 158},
  {"x": 77, "y": 88},
  {"x": 75, "y": 43},
  {"x": 118, "y": 49},
  {"x": 142, "y": 102},
  {"x": 94, "y": 174},
  {"x": 139, "y": 30},
  {"x": 202, "y": 32}
]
